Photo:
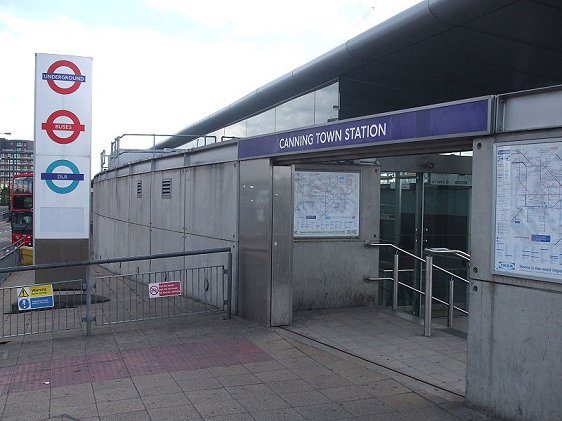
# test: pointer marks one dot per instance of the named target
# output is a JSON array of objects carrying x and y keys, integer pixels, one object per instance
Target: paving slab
[
  {"x": 390, "y": 340},
  {"x": 208, "y": 368}
]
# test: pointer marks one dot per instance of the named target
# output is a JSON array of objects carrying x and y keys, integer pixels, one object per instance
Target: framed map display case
[
  {"x": 528, "y": 209},
  {"x": 326, "y": 204}
]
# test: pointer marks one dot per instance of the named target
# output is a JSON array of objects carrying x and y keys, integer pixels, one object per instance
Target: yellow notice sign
[
  {"x": 35, "y": 297},
  {"x": 40, "y": 290}
]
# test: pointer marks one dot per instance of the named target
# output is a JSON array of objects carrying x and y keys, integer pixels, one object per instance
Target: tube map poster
[
  {"x": 326, "y": 204},
  {"x": 528, "y": 214}
]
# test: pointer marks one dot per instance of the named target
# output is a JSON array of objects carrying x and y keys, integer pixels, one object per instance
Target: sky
[{"x": 161, "y": 65}]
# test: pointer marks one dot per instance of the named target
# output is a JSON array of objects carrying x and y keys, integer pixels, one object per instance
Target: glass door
[
  {"x": 421, "y": 210},
  {"x": 446, "y": 223}
]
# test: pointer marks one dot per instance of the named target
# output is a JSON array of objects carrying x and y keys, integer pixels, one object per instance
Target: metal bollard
[
  {"x": 428, "y": 295},
  {"x": 395, "y": 282},
  {"x": 451, "y": 308},
  {"x": 229, "y": 286},
  {"x": 88, "y": 303}
]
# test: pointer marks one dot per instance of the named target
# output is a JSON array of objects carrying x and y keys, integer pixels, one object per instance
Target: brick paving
[
  {"x": 111, "y": 365},
  {"x": 207, "y": 368},
  {"x": 204, "y": 368}
]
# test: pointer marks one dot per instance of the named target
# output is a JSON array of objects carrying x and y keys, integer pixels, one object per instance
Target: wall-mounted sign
[
  {"x": 458, "y": 119},
  {"x": 528, "y": 210},
  {"x": 63, "y": 132},
  {"x": 457, "y": 180}
]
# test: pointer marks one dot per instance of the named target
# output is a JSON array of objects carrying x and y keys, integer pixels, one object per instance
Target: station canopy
[{"x": 437, "y": 51}]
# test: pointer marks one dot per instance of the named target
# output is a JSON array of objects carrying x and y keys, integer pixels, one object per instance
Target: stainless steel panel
[
  {"x": 530, "y": 110},
  {"x": 282, "y": 247},
  {"x": 255, "y": 240}
]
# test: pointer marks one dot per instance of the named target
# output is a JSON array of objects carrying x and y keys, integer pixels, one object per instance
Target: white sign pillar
[{"x": 63, "y": 133}]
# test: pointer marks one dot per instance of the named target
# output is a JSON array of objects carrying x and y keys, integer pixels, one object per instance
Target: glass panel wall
[
  {"x": 318, "y": 107},
  {"x": 326, "y": 104},
  {"x": 261, "y": 124},
  {"x": 236, "y": 129},
  {"x": 298, "y": 112}
]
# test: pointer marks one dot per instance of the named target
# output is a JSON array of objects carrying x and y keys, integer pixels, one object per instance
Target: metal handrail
[
  {"x": 428, "y": 295},
  {"x": 460, "y": 278},
  {"x": 6, "y": 251},
  {"x": 375, "y": 244},
  {"x": 441, "y": 250},
  {"x": 115, "y": 260}
]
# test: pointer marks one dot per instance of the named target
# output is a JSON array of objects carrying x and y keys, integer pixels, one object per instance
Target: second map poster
[{"x": 528, "y": 210}]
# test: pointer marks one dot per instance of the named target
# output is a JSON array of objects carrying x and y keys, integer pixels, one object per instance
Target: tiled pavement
[
  {"x": 377, "y": 335},
  {"x": 206, "y": 368}
]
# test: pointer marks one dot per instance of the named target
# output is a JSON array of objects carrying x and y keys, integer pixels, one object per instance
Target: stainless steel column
[{"x": 428, "y": 295}]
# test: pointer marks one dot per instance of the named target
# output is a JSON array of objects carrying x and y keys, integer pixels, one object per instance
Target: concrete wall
[
  {"x": 328, "y": 273},
  {"x": 514, "y": 366},
  {"x": 515, "y": 345},
  {"x": 201, "y": 213}
]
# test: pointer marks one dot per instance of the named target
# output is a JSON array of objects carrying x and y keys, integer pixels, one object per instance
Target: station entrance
[
  {"x": 324, "y": 223},
  {"x": 420, "y": 201},
  {"x": 408, "y": 204}
]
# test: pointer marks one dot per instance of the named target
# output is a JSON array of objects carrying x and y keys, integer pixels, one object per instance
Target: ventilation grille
[
  {"x": 139, "y": 188},
  {"x": 166, "y": 188}
]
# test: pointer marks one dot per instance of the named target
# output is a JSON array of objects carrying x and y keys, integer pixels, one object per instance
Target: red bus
[{"x": 21, "y": 209}]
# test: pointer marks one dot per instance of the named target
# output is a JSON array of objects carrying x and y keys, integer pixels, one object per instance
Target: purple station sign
[{"x": 459, "y": 119}]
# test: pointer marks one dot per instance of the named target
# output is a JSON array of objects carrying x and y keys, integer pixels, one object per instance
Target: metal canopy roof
[{"x": 436, "y": 51}]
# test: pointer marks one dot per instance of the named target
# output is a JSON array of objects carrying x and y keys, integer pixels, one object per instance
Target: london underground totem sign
[{"x": 63, "y": 133}]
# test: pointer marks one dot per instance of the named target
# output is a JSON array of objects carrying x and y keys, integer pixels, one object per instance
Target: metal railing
[
  {"x": 9, "y": 256},
  {"x": 112, "y": 298},
  {"x": 66, "y": 313},
  {"x": 202, "y": 291},
  {"x": 427, "y": 293}
]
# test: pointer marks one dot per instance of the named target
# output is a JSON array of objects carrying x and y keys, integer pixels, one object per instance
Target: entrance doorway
[
  {"x": 421, "y": 210},
  {"x": 413, "y": 202}
]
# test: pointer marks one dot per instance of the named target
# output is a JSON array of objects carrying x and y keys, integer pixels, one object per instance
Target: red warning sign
[{"x": 164, "y": 289}]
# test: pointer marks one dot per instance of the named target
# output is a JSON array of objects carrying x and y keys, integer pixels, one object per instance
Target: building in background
[{"x": 16, "y": 157}]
